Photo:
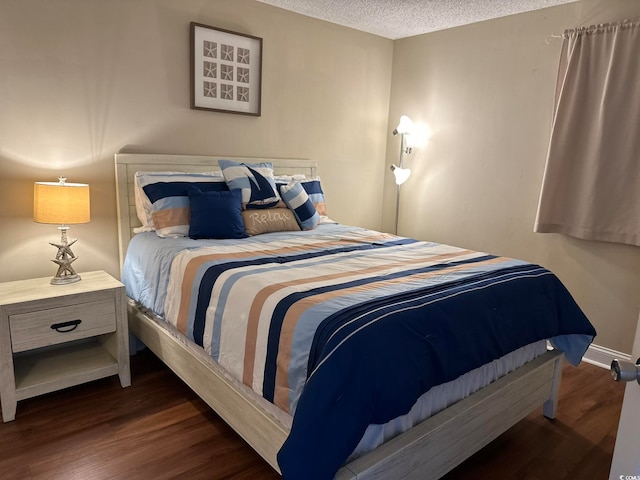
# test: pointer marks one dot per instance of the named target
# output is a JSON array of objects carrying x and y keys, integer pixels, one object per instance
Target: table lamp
[{"x": 62, "y": 204}]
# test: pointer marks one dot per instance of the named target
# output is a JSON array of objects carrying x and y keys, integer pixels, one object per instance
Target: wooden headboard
[{"x": 127, "y": 164}]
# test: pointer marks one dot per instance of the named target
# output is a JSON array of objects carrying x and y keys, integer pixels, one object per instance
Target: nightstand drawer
[{"x": 63, "y": 324}]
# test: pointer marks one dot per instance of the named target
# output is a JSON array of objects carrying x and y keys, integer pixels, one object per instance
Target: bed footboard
[
  {"x": 429, "y": 450},
  {"x": 443, "y": 441}
]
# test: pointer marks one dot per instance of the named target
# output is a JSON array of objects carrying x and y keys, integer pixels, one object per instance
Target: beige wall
[
  {"x": 486, "y": 93},
  {"x": 84, "y": 79}
]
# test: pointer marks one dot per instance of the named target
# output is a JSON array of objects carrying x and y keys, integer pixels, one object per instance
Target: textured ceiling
[{"x": 404, "y": 18}]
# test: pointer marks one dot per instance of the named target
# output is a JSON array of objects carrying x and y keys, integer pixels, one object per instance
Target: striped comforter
[{"x": 348, "y": 329}]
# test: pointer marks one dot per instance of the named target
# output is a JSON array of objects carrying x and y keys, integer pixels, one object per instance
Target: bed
[{"x": 428, "y": 449}]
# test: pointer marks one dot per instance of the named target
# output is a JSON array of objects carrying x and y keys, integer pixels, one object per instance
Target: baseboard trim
[{"x": 602, "y": 356}]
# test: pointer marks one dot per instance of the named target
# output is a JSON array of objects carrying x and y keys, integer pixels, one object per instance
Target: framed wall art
[{"x": 226, "y": 70}]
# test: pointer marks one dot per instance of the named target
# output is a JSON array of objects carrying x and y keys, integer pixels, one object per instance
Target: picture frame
[{"x": 226, "y": 70}]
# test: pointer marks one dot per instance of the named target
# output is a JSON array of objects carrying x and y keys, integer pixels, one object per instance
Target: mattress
[{"x": 387, "y": 274}]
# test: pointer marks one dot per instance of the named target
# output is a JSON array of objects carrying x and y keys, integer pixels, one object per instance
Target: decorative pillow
[
  {"x": 170, "y": 204},
  {"x": 255, "y": 181},
  {"x": 316, "y": 195},
  {"x": 216, "y": 214},
  {"x": 314, "y": 189},
  {"x": 296, "y": 198},
  {"x": 144, "y": 208},
  {"x": 269, "y": 220}
]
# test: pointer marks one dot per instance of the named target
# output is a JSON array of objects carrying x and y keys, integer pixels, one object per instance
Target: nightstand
[{"x": 56, "y": 336}]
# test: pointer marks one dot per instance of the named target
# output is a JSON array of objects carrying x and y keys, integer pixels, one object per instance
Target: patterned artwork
[
  {"x": 210, "y": 49},
  {"x": 243, "y": 75},
  {"x": 243, "y": 94},
  {"x": 243, "y": 55},
  {"x": 226, "y": 91},
  {"x": 210, "y": 69},
  {"x": 210, "y": 89},
  {"x": 226, "y": 70}
]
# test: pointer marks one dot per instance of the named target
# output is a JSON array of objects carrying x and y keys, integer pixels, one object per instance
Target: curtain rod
[
  {"x": 590, "y": 28},
  {"x": 550, "y": 37}
]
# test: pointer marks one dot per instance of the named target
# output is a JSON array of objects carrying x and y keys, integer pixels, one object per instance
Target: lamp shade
[
  {"x": 405, "y": 127},
  {"x": 61, "y": 203},
  {"x": 401, "y": 174}
]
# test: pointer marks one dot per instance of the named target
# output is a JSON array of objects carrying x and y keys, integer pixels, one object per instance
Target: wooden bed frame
[{"x": 428, "y": 450}]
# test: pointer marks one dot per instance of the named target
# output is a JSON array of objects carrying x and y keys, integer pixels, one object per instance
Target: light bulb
[
  {"x": 405, "y": 127},
  {"x": 401, "y": 174}
]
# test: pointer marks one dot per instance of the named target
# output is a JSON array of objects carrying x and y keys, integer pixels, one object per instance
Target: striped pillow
[
  {"x": 168, "y": 197},
  {"x": 147, "y": 180},
  {"x": 296, "y": 198},
  {"x": 313, "y": 188},
  {"x": 254, "y": 180}
]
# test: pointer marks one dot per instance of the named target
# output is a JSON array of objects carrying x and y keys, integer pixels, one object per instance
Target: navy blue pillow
[{"x": 216, "y": 214}]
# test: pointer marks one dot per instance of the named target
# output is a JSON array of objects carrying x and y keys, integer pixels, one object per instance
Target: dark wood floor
[{"x": 158, "y": 429}]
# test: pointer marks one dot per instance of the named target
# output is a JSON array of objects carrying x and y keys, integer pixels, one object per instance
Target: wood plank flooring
[{"x": 159, "y": 429}]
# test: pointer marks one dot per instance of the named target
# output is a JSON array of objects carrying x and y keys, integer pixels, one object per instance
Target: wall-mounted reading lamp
[{"x": 405, "y": 128}]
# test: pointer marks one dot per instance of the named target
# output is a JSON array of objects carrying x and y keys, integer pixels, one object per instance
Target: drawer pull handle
[{"x": 66, "y": 327}]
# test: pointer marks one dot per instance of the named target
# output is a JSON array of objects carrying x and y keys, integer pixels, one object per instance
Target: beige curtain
[{"x": 591, "y": 185}]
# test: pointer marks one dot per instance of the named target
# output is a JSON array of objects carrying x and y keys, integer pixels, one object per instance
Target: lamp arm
[{"x": 404, "y": 149}]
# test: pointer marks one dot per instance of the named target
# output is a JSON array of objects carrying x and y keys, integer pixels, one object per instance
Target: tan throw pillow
[{"x": 269, "y": 220}]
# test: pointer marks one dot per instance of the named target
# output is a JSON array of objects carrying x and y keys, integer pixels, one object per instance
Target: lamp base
[
  {"x": 64, "y": 258},
  {"x": 65, "y": 279}
]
